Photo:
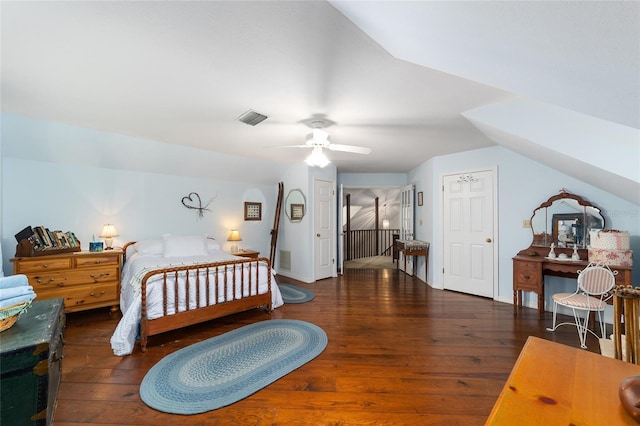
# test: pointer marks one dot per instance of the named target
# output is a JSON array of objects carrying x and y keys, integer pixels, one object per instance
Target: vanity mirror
[
  {"x": 565, "y": 220},
  {"x": 295, "y": 205}
]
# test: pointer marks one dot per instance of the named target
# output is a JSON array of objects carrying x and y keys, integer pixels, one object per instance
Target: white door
[
  {"x": 341, "y": 233},
  {"x": 406, "y": 224},
  {"x": 324, "y": 234},
  {"x": 468, "y": 223}
]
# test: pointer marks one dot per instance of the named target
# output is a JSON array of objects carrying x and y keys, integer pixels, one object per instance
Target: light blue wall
[
  {"x": 140, "y": 205},
  {"x": 370, "y": 180},
  {"x": 43, "y": 183},
  {"x": 522, "y": 185}
]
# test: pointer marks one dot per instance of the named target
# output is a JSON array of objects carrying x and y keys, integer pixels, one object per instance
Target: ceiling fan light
[
  {"x": 317, "y": 158},
  {"x": 320, "y": 136}
]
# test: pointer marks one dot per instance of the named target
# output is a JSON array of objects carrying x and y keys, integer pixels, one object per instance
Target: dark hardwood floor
[{"x": 399, "y": 353}]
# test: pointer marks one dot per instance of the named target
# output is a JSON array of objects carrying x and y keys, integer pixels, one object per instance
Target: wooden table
[
  {"x": 413, "y": 248},
  {"x": 252, "y": 254},
  {"x": 554, "y": 384}
]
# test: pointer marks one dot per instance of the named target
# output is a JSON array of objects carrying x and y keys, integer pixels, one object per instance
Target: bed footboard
[{"x": 197, "y": 293}]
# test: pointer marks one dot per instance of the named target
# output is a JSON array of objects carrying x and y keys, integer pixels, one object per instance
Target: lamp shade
[
  {"x": 317, "y": 158},
  {"x": 234, "y": 235},
  {"x": 108, "y": 231}
]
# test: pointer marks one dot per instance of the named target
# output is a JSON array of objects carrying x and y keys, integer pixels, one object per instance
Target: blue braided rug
[
  {"x": 227, "y": 368},
  {"x": 294, "y": 294}
]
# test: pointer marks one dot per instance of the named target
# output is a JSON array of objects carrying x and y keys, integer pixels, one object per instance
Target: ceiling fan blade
[
  {"x": 293, "y": 146},
  {"x": 349, "y": 148}
]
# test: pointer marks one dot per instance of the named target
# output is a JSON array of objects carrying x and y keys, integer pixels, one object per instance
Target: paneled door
[
  {"x": 406, "y": 224},
  {"x": 341, "y": 232},
  {"x": 468, "y": 227},
  {"x": 324, "y": 229}
]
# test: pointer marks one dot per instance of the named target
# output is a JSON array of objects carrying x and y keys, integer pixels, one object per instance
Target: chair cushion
[{"x": 579, "y": 301}]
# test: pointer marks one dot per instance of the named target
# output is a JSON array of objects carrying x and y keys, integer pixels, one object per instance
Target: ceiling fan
[{"x": 319, "y": 139}]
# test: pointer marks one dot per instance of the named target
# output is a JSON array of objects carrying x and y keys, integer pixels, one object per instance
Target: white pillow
[
  {"x": 213, "y": 244},
  {"x": 184, "y": 245},
  {"x": 149, "y": 247}
]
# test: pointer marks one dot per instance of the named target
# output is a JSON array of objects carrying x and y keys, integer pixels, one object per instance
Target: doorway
[
  {"x": 324, "y": 229},
  {"x": 468, "y": 232},
  {"x": 370, "y": 218}
]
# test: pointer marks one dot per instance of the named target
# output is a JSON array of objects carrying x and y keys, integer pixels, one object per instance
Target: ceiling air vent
[{"x": 252, "y": 118}]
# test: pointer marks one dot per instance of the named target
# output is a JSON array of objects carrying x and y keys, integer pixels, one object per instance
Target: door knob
[
  {"x": 318, "y": 235},
  {"x": 488, "y": 240}
]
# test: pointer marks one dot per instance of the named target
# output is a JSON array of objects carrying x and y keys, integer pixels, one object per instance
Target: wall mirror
[
  {"x": 565, "y": 220},
  {"x": 295, "y": 205}
]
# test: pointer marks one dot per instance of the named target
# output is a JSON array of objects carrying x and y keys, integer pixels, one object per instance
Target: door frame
[
  {"x": 332, "y": 228},
  {"x": 411, "y": 235},
  {"x": 496, "y": 236}
]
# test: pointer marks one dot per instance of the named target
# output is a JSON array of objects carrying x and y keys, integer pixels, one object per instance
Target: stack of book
[{"x": 42, "y": 238}]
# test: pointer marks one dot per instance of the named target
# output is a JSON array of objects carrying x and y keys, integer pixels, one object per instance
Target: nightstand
[{"x": 252, "y": 254}]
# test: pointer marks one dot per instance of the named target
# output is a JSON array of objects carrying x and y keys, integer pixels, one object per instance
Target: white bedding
[{"x": 137, "y": 266}]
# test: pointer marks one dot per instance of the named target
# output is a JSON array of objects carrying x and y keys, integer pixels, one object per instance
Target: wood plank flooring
[{"x": 399, "y": 353}]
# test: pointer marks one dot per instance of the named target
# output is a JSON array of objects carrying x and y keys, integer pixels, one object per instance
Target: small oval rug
[
  {"x": 227, "y": 368},
  {"x": 294, "y": 294}
]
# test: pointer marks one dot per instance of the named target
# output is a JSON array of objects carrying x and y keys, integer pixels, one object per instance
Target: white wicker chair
[{"x": 595, "y": 284}]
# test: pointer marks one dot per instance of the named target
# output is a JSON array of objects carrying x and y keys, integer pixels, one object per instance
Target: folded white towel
[
  {"x": 13, "y": 281},
  {"x": 8, "y": 293}
]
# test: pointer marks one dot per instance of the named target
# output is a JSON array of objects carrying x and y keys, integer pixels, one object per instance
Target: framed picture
[
  {"x": 297, "y": 211},
  {"x": 420, "y": 198},
  {"x": 252, "y": 211},
  {"x": 95, "y": 247}
]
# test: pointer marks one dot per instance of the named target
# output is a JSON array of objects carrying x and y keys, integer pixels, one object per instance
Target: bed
[{"x": 208, "y": 282}]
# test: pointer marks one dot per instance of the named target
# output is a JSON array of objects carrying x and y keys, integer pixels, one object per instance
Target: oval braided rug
[
  {"x": 227, "y": 368},
  {"x": 294, "y": 294}
]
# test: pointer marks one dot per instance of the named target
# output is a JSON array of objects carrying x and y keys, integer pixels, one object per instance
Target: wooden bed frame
[{"x": 241, "y": 301}]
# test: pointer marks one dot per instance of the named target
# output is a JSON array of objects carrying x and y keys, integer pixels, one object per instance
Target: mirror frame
[
  {"x": 295, "y": 209},
  {"x": 553, "y": 229}
]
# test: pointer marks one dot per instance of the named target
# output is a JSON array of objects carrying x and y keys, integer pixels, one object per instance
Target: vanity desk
[
  {"x": 529, "y": 272},
  {"x": 564, "y": 220}
]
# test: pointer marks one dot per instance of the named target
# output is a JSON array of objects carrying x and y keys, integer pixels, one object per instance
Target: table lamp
[
  {"x": 234, "y": 236},
  {"x": 108, "y": 232}
]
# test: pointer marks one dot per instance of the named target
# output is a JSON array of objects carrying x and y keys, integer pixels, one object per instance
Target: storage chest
[{"x": 30, "y": 365}]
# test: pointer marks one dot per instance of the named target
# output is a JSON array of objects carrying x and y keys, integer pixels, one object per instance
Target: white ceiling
[{"x": 182, "y": 72}]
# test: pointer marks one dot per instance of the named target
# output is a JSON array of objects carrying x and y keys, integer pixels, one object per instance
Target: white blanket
[{"x": 137, "y": 266}]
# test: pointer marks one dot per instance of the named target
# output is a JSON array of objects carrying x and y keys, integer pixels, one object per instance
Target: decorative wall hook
[{"x": 193, "y": 201}]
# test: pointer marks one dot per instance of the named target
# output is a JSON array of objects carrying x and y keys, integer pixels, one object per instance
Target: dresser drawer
[
  {"x": 80, "y": 261},
  {"x": 43, "y": 264},
  {"x": 73, "y": 277},
  {"x": 527, "y": 275},
  {"x": 80, "y": 298}
]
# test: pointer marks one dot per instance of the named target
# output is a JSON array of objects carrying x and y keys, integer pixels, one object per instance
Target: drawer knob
[
  {"x": 526, "y": 277},
  {"x": 96, "y": 278},
  {"x": 94, "y": 295}
]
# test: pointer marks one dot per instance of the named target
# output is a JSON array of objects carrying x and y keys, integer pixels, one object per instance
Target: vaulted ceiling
[{"x": 410, "y": 80}]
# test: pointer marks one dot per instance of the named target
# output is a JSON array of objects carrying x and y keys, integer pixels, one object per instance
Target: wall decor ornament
[
  {"x": 252, "y": 211},
  {"x": 193, "y": 201}
]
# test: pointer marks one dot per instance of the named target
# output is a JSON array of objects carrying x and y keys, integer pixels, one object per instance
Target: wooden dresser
[
  {"x": 31, "y": 365},
  {"x": 84, "y": 280}
]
